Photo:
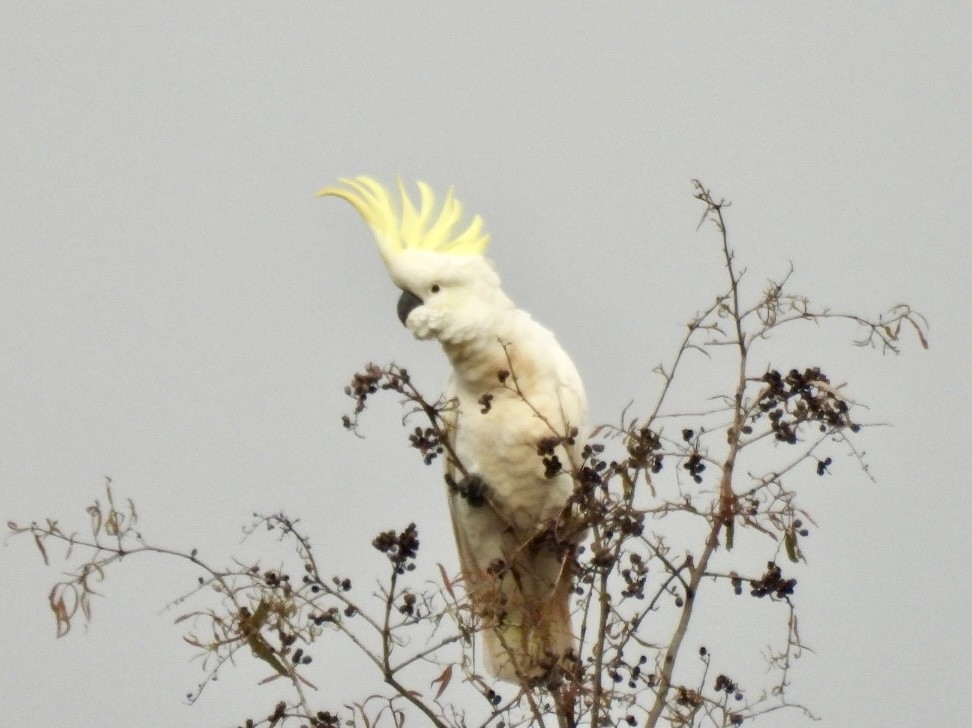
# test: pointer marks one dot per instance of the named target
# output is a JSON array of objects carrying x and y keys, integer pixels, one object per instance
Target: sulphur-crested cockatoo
[{"x": 517, "y": 399}]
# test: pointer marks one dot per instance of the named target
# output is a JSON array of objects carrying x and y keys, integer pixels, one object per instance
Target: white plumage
[{"x": 519, "y": 399}]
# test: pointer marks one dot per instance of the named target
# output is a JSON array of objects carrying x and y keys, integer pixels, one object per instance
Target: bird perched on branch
[{"x": 512, "y": 435}]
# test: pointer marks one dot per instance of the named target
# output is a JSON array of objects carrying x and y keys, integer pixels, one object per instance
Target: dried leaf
[
  {"x": 132, "y": 512},
  {"x": 627, "y": 485},
  {"x": 96, "y": 519},
  {"x": 446, "y": 582},
  {"x": 40, "y": 547},
  {"x": 364, "y": 717},
  {"x": 444, "y": 679},
  {"x": 85, "y": 602},
  {"x": 306, "y": 682},
  {"x": 113, "y": 523},
  {"x": 61, "y": 613}
]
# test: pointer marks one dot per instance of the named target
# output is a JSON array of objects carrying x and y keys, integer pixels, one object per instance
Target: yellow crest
[{"x": 400, "y": 227}]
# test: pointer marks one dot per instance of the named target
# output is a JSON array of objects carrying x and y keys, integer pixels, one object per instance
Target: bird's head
[{"x": 450, "y": 292}]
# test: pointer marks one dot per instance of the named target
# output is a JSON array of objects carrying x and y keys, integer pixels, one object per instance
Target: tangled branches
[{"x": 664, "y": 498}]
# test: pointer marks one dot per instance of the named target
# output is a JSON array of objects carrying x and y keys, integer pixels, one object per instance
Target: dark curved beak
[{"x": 406, "y": 303}]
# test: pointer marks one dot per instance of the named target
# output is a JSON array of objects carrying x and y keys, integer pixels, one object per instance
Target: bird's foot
[{"x": 474, "y": 490}]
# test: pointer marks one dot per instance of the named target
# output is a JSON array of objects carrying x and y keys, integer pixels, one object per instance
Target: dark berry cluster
[
  {"x": 362, "y": 384},
  {"x": 428, "y": 441},
  {"x": 695, "y": 466},
  {"x": 286, "y": 640},
  {"x": 737, "y": 583},
  {"x": 789, "y": 401},
  {"x": 472, "y": 488},
  {"x": 593, "y": 469},
  {"x": 300, "y": 658},
  {"x": 551, "y": 466},
  {"x": 324, "y": 719},
  {"x": 546, "y": 449},
  {"x": 627, "y": 522},
  {"x": 724, "y": 684},
  {"x": 278, "y": 581},
  {"x": 408, "y": 604},
  {"x": 618, "y": 667},
  {"x": 748, "y": 503},
  {"x": 329, "y": 616},
  {"x": 635, "y": 577},
  {"x": 799, "y": 528},
  {"x": 341, "y": 584},
  {"x": 486, "y": 401},
  {"x": 591, "y": 451},
  {"x": 772, "y": 583},
  {"x": 688, "y": 697},
  {"x": 369, "y": 381},
  {"x": 643, "y": 445},
  {"x": 400, "y": 548}
]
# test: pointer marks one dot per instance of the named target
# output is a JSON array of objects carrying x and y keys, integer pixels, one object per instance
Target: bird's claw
[{"x": 474, "y": 490}]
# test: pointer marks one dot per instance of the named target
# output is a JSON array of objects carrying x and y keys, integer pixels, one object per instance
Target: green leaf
[{"x": 789, "y": 542}]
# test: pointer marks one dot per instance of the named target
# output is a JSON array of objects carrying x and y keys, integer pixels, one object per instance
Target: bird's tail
[{"x": 533, "y": 639}]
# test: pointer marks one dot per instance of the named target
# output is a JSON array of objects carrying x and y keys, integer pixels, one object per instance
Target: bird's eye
[{"x": 435, "y": 288}]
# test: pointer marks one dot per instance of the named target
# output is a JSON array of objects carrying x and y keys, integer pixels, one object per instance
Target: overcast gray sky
[{"x": 177, "y": 311}]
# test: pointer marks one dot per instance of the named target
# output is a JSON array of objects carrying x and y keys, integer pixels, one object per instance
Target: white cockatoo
[{"x": 513, "y": 429}]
